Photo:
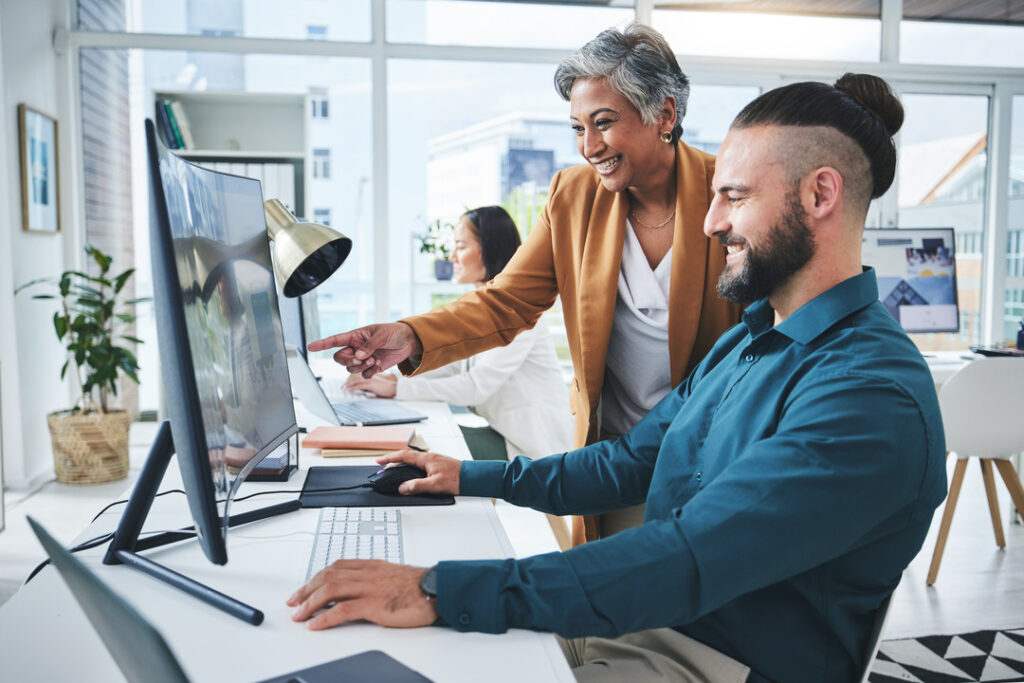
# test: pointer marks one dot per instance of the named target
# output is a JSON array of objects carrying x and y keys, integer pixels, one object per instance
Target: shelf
[{"x": 241, "y": 155}]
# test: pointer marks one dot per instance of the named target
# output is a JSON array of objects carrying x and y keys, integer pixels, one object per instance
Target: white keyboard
[{"x": 368, "y": 533}]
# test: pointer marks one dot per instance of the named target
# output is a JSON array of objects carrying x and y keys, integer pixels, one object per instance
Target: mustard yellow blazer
[{"x": 575, "y": 252}]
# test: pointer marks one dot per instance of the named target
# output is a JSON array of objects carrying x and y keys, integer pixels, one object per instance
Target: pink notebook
[{"x": 390, "y": 437}]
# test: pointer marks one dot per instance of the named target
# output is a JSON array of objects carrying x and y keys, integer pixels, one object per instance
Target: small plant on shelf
[
  {"x": 90, "y": 440},
  {"x": 437, "y": 242}
]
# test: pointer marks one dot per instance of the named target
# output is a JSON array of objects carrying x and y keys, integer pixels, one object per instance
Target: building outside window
[
  {"x": 322, "y": 163},
  {"x": 322, "y": 216},
  {"x": 318, "y": 103}
]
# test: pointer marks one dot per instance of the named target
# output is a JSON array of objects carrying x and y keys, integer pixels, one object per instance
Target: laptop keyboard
[
  {"x": 352, "y": 413},
  {"x": 365, "y": 533}
]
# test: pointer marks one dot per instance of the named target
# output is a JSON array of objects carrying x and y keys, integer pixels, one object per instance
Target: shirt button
[
  {"x": 699, "y": 476},
  {"x": 464, "y": 618},
  {"x": 749, "y": 358}
]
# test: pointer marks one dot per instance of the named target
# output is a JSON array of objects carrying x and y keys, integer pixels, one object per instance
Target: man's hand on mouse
[
  {"x": 374, "y": 590},
  {"x": 442, "y": 472}
]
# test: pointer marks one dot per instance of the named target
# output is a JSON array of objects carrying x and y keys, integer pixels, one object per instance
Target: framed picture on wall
[{"x": 40, "y": 203}]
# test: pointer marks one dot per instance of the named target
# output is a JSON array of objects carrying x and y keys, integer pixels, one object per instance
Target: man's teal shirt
[{"x": 788, "y": 481}]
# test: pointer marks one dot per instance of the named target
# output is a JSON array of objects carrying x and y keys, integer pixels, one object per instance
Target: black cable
[
  {"x": 100, "y": 540},
  {"x": 336, "y": 488},
  {"x": 121, "y": 502}
]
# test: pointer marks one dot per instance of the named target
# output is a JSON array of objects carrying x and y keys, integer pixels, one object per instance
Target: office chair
[
  {"x": 875, "y": 639},
  {"x": 981, "y": 412}
]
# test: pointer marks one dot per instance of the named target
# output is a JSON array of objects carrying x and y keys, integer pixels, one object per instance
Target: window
[
  {"x": 322, "y": 163},
  {"x": 316, "y": 32},
  {"x": 1013, "y": 308},
  {"x": 931, "y": 42},
  {"x": 347, "y": 19},
  {"x": 322, "y": 216},
  {"x": 942, "y": 167},
  {"x": 278, "y": 84},
  {"x": 760, "y": 35},
  {"x": 499, "y": 24},
  {"x": 318, "y": 103}
]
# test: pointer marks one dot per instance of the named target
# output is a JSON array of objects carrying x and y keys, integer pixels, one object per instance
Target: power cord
[{"x": 100, "y": 540}]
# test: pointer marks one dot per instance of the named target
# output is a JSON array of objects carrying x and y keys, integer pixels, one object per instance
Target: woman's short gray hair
[{"x": 638, "y": 63}]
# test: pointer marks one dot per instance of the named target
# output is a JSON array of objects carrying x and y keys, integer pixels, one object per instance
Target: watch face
[{"x": 428, "y": 582}]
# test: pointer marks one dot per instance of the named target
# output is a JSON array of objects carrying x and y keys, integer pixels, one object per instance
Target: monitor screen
[
  {"x": 916, "y": 270},
  {"x": 223, "y": 362}
]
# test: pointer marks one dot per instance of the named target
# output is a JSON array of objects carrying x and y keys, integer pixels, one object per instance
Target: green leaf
[
  {"x": 122, "y": 279},
  {"x": 139, "y": 300},
  {"x": 134, "y": 340},
  {"x": 60, "y": 324},
  {"x": 32, "y": 283},
  {"x": 126, "y": 317},
  {"x": 42, "y": 296},
  {"x": 64, "y": 368}
]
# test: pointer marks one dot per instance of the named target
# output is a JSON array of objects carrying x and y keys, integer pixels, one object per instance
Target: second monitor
[{"x": 916, "y": 270}]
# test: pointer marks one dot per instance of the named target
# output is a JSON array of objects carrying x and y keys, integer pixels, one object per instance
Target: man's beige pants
[{"x": 661, "y": 654}]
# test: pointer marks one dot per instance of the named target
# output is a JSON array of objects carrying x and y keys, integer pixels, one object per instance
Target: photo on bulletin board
[{"x": 40, "y": 205}]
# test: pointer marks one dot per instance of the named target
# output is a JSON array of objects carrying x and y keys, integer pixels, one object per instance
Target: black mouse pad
[{"x": 340, "y": 476}]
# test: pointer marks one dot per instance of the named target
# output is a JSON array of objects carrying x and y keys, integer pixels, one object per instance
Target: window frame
[{"x": 1002, "y": 83}]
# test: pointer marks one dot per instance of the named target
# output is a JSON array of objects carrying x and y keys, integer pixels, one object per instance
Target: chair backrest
[
  {"x": 983, "y": 408},
  {"x": 881, "y": 616}
]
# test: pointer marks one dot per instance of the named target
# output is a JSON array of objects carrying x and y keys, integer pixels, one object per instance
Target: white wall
[{"x": 30, "y": 354}]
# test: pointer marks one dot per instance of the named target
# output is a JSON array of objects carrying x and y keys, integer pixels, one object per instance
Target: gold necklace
[{"x": 652, "y": 227}]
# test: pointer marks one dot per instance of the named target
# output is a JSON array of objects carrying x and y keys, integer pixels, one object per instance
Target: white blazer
[{"x": 517, "y": 388}]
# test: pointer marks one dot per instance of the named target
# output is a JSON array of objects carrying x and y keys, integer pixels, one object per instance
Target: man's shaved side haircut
[{"x": 847, "y": 126}]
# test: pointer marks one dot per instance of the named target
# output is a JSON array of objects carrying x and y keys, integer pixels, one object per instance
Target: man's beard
[{"x": 788, "y": 246}]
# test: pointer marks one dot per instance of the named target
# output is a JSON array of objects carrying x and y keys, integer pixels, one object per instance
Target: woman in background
[{"x": 517, "y": 388}]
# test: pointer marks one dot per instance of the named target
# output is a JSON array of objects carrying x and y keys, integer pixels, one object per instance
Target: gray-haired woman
[{"x": 620, "y": 241}]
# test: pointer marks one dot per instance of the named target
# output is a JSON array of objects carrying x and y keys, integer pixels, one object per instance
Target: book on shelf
[
  {"x": 174, "y": 124},
  {"x": 164, "y": 125},
  {"x": 183, "y": 125}
]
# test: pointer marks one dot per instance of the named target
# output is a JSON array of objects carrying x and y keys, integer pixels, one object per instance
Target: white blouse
[
  {"x": 517, "y": 388},
  {"x": 638, "y": 370}
]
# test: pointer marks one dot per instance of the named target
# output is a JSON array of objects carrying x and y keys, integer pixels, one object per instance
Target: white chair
[
  {"x": 983, "y": 415},
  {"x": 875, "y": 639}
]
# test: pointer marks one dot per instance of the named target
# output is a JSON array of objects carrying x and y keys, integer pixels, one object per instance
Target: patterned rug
[{"x": 990, "y": 656}]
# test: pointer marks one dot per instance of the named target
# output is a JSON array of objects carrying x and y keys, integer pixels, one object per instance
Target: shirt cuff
[
  {"x": 482, "y": 478},
  {"x": 468, "y": 595}
]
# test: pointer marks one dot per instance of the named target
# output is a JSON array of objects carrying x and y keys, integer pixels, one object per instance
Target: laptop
[
  {"x": 373, "y": 411},
  {"x": 142, "y": 654}
]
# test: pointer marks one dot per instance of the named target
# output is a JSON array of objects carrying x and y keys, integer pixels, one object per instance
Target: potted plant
[
  {"x": 436, "y": 241},
  {"x": 90, "y": 441}
]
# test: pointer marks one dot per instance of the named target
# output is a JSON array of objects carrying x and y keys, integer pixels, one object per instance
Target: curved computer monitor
[
  {"x": 916, "y": 270},
  {"x": 223, "y": 363}
]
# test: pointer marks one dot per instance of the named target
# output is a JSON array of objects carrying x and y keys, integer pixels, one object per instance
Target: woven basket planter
[{"x": 90, "y": 449}]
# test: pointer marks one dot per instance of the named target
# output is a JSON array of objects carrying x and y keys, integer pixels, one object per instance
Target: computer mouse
[{"x": 389, "y": 479}]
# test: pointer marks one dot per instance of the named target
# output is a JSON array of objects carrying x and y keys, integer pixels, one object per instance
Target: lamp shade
[{"x": 305, "y": 254}]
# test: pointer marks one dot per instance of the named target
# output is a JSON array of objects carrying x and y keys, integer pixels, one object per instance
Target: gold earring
[{"x": 666, "y": 137}]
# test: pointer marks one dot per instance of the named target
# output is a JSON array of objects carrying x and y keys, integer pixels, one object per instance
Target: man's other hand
[{"x": 377, "y": 591}]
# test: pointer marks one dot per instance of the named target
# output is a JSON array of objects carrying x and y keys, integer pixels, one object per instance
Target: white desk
[{"x": 44, "y": 635}]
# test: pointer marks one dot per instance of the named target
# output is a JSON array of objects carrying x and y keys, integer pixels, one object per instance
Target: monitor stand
[{"x": 126, "y": 543}]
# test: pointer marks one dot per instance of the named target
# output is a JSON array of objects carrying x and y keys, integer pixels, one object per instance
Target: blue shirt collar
[{"x": 818, "y": 314}]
